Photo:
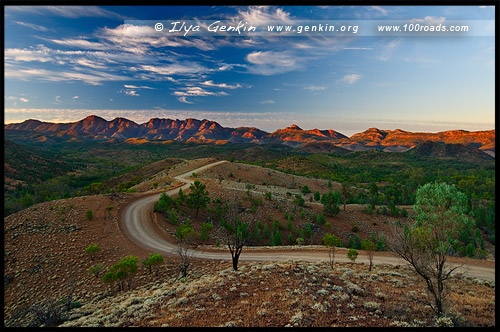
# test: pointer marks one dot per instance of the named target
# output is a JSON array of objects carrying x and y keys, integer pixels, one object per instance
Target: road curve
[{"x": 137, "y": 225}]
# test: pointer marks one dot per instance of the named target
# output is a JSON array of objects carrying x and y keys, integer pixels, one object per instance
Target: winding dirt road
[{"x": 137, "y": 225}]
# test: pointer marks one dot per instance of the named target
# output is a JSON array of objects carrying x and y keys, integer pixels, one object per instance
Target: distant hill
[
  {"x": 25, "y": 165},
  {"x": 458, "y": 151},
  {"x": 321, "y": 147},
  {"x": 206, "y": 131}
]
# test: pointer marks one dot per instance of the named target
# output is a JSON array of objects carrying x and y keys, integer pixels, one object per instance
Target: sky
[{"x": 63, "y": 63}]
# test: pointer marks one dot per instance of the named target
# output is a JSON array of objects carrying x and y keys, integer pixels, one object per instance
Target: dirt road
[{"x": 137, "y": 225}]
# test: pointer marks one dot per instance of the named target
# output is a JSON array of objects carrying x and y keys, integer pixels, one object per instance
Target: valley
[{"x": 106, "y": 196}]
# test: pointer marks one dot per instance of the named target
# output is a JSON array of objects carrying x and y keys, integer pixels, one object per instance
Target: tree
[
  {"x": 235, "y": 231},
  {"x": 180, "y": 196},
  {"x": 185, "y": 255},
  {"x": 89, "y": 214},
  {"x": 184, "y": 232},
  {"x": 164, "y": 204},
  {"x": 317, "y": 196},
  {"x": 305, "y": 190},
  {"x": 369, "y": 247},
  {"x": 345, "y": 192},
  {"x": 92, "y": 250},
  {"x": 331, "y": 241},
  {"x": 330, "y": 204},
  {"x": 441, "y": 214},
  {"x": 27, "y": 200},
  {"x": 198, "y": 198},
  {"x": 352, "y": 254},
  {"x": 124, "y": 270},
  {"x": 153, "y": 260}
]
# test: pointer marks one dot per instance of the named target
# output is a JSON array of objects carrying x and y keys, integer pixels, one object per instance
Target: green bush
[
  {"x": 205, "y": 228},
  {"x": 152, "y": 260},
  {"x": 305, "y": 190},
  {"x": 92, "y": 250},
  {"x": 89, "y": 214},
  {"x": 96, "y": 270},
  {"x": 352, "y": 254}
]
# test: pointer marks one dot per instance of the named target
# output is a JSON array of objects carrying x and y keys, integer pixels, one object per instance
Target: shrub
[
  {"x": 153, "y": 260},
  {"x": 124, "y": 270},
  {"x": 371, "y": 306},
  {"x": 92, "y": 250},
  {"x": 184, "y": 232},
  {"x": 89, "y": 214},
  {"x": 205, "y": 228},
  {"x": 276, "y": 240},
  {"x": 305, "y": 190},
  {"x": 299, "y": 200},
  {"x": 96, "y": 270},
  {"x": 352, "y": 254},
  {"x": 173, "y": 217},
  {"x": 299, "y": 241}
]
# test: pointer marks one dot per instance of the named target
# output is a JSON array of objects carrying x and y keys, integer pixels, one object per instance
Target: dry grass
[{"x": 289, "y": 294}]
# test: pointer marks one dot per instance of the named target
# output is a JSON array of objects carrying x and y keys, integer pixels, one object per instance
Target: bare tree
[
  {"x": 369, "y": 247},
  {"x": 235, "y": 230},
  {"x": 185, "y": 256}
]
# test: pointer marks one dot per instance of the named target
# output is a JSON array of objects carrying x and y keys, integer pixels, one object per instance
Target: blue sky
[{"x": 64, "y": 63}]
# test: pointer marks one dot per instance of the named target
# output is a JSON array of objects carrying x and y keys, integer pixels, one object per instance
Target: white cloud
[
  {"x": 197, "y": 91},
  {"x": 387, "y": 49},
  {"x": 186, "y": 68},
  {"x": 91, "y": 77},
  {"x": 269, "y": 101},
  {"x": 271, "y": 58},
  {"x": 382, "y": 11},
  {"x": 67, "y": 11},
  {"x": 351, "y": 79},
  {"x": 131, "y": 93},
  {"x": 80, "y": 43},
  {"x": 358, "y": 48},
  {"x": 222, "y": 85},
  {"x": 429, "y": 20},
  {"x": 184, "y": 100},
  {"x": 75, "y": 97},
  {"x": 15, "y": 99},
  {"x": 32, "y": 26},
  {"x": 314, "y": 88},
  {"x": 263, "y": 15},
  {"x": 128, "y": 86},
  {"x": 270, "y": 62}
]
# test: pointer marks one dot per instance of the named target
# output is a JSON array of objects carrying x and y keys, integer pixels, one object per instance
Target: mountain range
[{"x": 206, "y": 131}]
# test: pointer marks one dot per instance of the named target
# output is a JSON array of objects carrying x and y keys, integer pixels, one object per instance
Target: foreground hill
[
  {"x": 206, "y": 131},
  {"x": 45, "y": 262}
]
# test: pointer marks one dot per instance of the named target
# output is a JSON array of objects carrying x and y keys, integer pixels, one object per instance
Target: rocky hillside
[
  {"x": 206, "y": 131},
  {"x": 441, "y": 150}
]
